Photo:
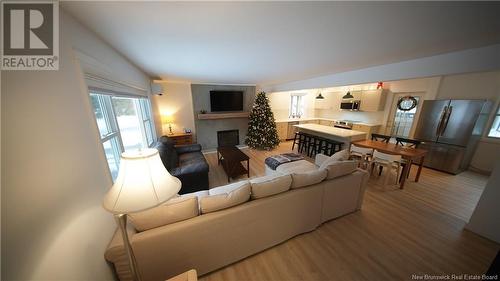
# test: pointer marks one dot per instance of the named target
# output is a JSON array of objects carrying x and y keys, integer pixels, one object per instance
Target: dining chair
[
  {"x": 382, "y": 138},
  {"x": 407, "y": 142},
  {"x": 388, "y": 161},
  {"x": 361, "y": 153},
  {"x": 411, "y": 143}
]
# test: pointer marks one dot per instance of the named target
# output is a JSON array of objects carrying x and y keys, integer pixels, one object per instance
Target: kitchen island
[{"x": 329, "y": 132}]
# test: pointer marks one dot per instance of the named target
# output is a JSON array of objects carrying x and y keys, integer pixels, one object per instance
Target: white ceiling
[{"x": 274, "y": 42}]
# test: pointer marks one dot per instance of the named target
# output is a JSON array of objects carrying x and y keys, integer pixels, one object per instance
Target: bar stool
[
  {"x": 298, "y": 140},
  {"x": 323, "y": 146},
  {"x": 336, "y": 146},
  {"x": 313, "y": 145},
  {"x": 305, "y": 143},
  {"x": 319, "y": 146}
]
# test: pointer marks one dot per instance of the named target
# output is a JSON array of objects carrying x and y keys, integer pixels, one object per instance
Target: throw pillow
[
  {"x": 308, "y": 178},
  {"x": 339, "y": 156},
  {"x": 340, "y": 168},
  {"x": 270, "y": 185},
  {"x": 225, "y": 196},
  {"x": 174, "y": 210}
]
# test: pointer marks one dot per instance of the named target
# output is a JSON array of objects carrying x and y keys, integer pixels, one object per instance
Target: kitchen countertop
[
  {"x": 351, "y": 135},
  {"x": 316, "y": 118}
]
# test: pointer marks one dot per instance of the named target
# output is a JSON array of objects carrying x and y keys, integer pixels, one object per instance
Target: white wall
[
  {"x": 54, "y": 173},
  {"x": 176, "y": 100},
  {"x": 485, "y": 220}
]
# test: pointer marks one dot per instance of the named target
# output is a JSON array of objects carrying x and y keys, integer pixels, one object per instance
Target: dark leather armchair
[{"x": 185, "y": 162}]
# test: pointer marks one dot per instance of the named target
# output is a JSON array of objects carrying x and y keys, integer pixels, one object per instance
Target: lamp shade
[
  {"x": 167, "y": 119},
  {"x": 142, "y": 183}
]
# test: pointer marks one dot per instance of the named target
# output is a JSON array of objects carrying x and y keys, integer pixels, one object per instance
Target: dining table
[{"x": 410, "y": 154}]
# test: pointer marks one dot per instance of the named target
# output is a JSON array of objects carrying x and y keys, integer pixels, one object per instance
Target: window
[
  {"x": 124, "y": 124},
  {"x": 296, "y": 105},
  {"x": 495, "y": 126},
  {"x": 403, "y": 120}
]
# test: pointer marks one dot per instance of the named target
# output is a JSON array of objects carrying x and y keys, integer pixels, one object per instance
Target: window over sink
[{"x": 296, "y": 105}]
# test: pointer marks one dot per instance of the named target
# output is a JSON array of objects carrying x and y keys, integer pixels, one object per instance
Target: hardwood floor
[{"x": 418, "y": 230}]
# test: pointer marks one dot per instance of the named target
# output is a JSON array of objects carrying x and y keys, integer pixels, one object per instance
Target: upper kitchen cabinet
[{"x": 373, "y": 100}]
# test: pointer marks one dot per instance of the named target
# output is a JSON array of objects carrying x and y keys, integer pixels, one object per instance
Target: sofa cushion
[
  {"x": 198, "y": 194},
  {"x": 188, "y": 148},
  {"x": 193, "y": 162},
  {"x": 270, "y": 185},
  {"x": 226, "y": 196},
  {"x": 174, "y": 210},
  {"x": 296, "y": 167},
  {"x": 339, "y": 156},
  {"x": 308, "y": 178},
  {"x": 340, "y": 168},
  {"x": 191, "y": 158}
]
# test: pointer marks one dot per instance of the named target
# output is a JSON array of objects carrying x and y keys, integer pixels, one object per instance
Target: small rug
[{"x": 274, "y": 161}]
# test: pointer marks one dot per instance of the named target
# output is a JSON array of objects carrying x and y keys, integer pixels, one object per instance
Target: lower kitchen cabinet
[
  {"x": 282, "y": 128},
  {"x": 291, "y": 130},
  {"x": 368, "y": 129}
]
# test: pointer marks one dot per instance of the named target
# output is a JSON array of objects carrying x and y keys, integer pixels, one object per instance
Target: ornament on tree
[{"x": 262, "y": 133}]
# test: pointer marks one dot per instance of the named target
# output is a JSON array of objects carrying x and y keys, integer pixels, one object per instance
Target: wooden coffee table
[{"x": 231, "y": 157}]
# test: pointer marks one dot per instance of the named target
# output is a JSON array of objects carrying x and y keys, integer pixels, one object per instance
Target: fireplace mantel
[{"x": 226, "y": 115}]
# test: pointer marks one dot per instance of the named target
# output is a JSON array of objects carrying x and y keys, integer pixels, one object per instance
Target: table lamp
[
  {"x": 169, "y": 119},
  {"x": 142, "y": 183}
]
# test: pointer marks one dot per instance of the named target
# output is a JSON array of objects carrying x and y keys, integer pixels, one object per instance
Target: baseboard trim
[{"x": 479, "y": 171}]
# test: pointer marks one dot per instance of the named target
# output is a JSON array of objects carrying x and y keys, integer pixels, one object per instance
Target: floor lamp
[{"x": 142, "y": 183}]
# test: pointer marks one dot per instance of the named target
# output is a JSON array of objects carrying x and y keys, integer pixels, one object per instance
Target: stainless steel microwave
[{"x": 350, "y": 105}]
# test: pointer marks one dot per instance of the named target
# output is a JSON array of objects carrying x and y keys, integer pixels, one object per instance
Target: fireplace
[{"x": 228, "y": 138}]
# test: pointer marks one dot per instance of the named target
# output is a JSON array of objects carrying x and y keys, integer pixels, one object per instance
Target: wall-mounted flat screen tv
[{"x": 226, "y": 101}]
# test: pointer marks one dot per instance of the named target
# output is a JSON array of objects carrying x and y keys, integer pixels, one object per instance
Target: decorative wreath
[{"x": 407, "y": 103}]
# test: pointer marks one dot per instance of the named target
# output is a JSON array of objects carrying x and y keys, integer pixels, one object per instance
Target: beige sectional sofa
[{"x": 211, "y": 229}]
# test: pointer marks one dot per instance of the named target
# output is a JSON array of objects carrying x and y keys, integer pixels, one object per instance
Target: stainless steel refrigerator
[{"x": 450, "y": 130}]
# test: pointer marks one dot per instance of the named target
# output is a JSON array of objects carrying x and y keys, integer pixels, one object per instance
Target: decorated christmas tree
[{"x": 262, "y": 133}]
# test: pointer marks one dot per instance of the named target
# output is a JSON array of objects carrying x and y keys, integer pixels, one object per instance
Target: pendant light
[
  {"x": 320, "y": 97},
  {"x": 348, "y": 96}
]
